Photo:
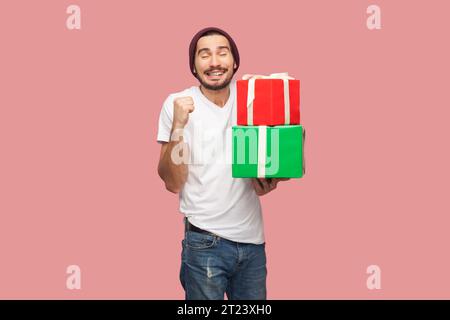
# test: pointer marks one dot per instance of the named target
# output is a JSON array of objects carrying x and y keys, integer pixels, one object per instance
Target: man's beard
[{"x": 215, "y": 87}]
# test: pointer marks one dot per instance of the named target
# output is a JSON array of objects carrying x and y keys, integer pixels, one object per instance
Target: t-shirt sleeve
[{"x": 165, "y": 120}]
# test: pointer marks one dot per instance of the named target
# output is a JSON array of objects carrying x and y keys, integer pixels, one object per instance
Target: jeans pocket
[{"x": 199, "y": 241}]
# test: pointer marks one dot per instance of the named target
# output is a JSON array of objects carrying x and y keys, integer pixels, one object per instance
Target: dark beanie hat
[{"x": 201, "y": 33}]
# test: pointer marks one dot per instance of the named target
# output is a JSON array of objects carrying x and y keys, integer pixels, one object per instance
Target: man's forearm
[{"x": 173, "y": 168}]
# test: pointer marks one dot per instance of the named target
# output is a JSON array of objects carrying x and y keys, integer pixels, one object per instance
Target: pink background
[{"x": 78, "y": 165}]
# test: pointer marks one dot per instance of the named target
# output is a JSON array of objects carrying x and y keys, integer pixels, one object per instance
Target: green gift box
[{"x": 268, "y": 152}]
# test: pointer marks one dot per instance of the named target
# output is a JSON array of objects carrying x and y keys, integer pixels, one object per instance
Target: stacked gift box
[{"x": 268, "y": 140}]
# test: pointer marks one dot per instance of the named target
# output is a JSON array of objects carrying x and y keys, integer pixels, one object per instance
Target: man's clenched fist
[{"x": 182, "y": 106}]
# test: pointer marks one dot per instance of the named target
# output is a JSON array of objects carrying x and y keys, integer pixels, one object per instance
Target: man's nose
[{"x": 214, "y": 62}]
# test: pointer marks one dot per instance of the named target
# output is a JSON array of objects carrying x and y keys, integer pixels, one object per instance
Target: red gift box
[{"x": 269, "y": 106}]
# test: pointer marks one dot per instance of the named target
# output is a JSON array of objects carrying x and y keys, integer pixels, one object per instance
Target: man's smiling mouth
[{"x": 215, "y": 74}]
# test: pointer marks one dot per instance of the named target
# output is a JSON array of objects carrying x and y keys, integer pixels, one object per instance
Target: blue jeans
[{"x": 212, "y": 266}]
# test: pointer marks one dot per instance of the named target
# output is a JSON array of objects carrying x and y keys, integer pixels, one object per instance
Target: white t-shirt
[{"x": 211, "y": 198}]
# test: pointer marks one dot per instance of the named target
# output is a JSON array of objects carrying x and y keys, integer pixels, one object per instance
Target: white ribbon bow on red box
[{"x": 251, "y": 94}]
